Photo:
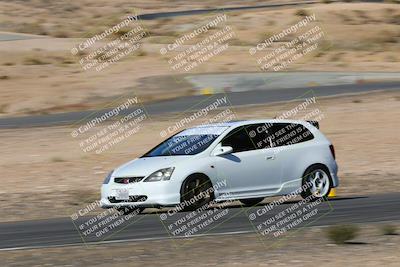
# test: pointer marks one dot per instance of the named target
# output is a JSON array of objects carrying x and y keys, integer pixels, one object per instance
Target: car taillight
[{"x": 332, "y": 151}]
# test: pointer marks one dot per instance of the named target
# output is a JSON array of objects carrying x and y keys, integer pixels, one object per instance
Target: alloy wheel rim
[
  {"x": 319, "y": 183},
  {"x": 194, "y": 188}
]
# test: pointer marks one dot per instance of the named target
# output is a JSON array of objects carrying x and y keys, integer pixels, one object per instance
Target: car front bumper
[{"x": 156, "y": 194}]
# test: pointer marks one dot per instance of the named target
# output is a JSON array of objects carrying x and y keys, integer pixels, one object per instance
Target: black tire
[
  {"x": 196, "y": 192},
  {"x": 308, "y": 194},
  {"x": 251, "y": 201},
  {"x": 125, "y": 210}
]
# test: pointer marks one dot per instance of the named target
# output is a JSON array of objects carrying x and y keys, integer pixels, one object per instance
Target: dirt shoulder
[
  {"x": 299, "y": 248},
  {"x": 48, "y": 170},
  {"x": 42, "y": 76}
]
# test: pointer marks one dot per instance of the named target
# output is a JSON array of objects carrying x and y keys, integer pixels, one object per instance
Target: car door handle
[{"x": 270, "y": 157}]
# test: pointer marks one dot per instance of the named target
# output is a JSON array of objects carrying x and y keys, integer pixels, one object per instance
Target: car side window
[
  {"x": 266, "y": 135},
  {"x": 302, "y": 135},
  {"x": 284, "y": 134},
  {"x": 239, "y": 140},
  {"x": 259, "y": 135}
]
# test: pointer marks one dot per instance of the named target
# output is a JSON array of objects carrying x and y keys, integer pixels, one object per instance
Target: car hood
[{"x": 147, "y": 165}]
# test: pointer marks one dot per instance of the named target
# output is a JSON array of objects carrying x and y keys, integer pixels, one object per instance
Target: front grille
[
  {"x": 137, "y": 198},
  {"x": 128, "y": 180}
]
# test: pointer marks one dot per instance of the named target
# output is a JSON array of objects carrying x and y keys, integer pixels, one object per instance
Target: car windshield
[{"x": 188, "y": 142}]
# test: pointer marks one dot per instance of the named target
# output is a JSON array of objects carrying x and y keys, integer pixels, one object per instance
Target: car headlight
[
  {"x": 160, "y": 175},
  {"x": 108, "y": 177}
]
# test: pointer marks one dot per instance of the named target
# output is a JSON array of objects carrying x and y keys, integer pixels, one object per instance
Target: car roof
[{"x": 236, "y": 123}]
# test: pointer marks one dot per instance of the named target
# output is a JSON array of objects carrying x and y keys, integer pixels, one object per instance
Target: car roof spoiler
[{"x": 314, "y": 123}]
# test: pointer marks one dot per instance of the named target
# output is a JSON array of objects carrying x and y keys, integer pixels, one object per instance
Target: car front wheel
[{"x": 196, "y": 192}]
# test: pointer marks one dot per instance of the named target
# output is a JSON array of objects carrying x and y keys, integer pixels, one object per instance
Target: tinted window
[
  {"x": 245, "y": 138},
  {"x": 239, "y": 140},
  {"x": 266, "y": 135},
  {"x": 284, "y": 134}
]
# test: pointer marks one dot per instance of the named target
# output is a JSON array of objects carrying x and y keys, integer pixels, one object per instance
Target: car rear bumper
[{"x": 334, "y": 175}]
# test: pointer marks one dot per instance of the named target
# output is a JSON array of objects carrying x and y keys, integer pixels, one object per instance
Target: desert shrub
[
  {"x": 239, "y": 42},
  {"x": 386, "y": 37},
  {"x": 60, "y": 34},
  {"x": 301, "y": 13},
  {"x": 388, "y": 229},
  {"x": 67, "y": 7},
  {"x": 82, "y": 196},
  {"x": 393, "y": 19},
  {"x": 3, "y": 108},
  {"x": 162, "y": 39},
  {"x": 141, "y": 53},
  {"x": 392, "y": 1},
  {"x": 31, "y": 28},
  {"x": 340, "y": 234},
  {"x": 57, "y": 159},
  {"x": 63, "y": 60},
  {"x": 122, "y": 31},
  {"x": 32, "y": 60}
]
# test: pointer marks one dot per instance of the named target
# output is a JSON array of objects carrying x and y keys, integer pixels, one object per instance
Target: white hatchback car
[{"x": 238, "y": 160}]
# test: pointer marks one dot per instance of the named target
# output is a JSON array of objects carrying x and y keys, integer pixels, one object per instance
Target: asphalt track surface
[
  {"x": 63, "y": 232},
  {"x": 197, "y": 102},
  {"x": 9, "y": 36},
  {"x": 158, "y": 15}
]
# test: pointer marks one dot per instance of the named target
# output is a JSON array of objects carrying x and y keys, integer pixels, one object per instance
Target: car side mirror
[{"x": 222, "y": 150}]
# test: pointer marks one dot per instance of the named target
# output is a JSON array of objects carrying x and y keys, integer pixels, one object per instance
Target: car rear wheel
[
  {"x": 196, "y": 192},
  {"x": 251, "y": 201},
  {"x": 316, "y": 183}
]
